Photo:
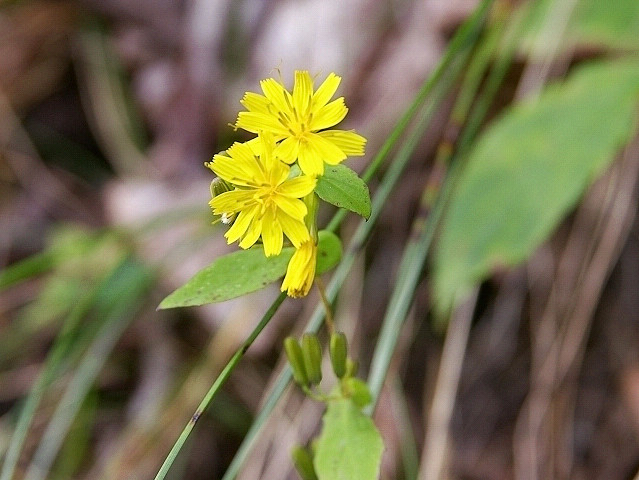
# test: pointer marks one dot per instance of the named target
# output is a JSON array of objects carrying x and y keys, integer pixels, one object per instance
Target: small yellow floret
[
  {"x": 267, "y": 202},
  {"x": 299, "y": 120},
  {"x": 301, "y": 270}
]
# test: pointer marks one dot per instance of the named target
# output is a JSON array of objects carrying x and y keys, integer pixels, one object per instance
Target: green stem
[
  {"x": 67, "y": 343},
  {"x": 217, "y": 385},
  {"x": 328, "y": 309},
  {"x": 465, "y": 34},
  {"x": 433, "y": 203}
]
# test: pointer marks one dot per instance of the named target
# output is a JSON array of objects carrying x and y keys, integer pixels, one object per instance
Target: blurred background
[{"x": 108, "y": 110}]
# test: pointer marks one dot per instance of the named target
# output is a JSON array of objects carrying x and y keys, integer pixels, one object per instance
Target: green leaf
[
  {"x": 592, "y": 23},
  {"x": 358, "y": 391},
  {"x": 246, "y": 271},
  {"x": 349, "y": 447},
  {"x": 340, "y": 186},
  {"x": 529, "y": 169},
  {"x": 600, "y": 23}
]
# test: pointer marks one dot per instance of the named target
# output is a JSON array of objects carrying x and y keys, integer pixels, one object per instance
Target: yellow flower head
[
  {"x": 300, "y": 272},
  {"x": 298, "y": 121},
  {"x": 266, "y": 201}
]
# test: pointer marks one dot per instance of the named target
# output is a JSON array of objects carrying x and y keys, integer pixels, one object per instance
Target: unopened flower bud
[
  {"x": 296, "y": 359},
  {"x": 338, "y": 349},
  {"x": 312, "y": 352},
  {"x": 219, "y": 186}
]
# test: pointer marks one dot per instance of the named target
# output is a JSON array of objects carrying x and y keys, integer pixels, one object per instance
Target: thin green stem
[
  {"x": 328, "y": 309},
  {"x": 434, "y": 199},
  {"x": 66, "y": 343},
  {"x": 217, "y": 385},
  {"x": 128, "y": 283},
  {"x": 467, "y": 32}
]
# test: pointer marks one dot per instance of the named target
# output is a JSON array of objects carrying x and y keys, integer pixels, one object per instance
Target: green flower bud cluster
[{"x": 305, "y": 358}]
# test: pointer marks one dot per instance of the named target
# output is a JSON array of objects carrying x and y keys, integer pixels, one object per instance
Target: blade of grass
[
  {"x": 25, "y": 269},
  {"x": 215, "y": 388},
  {"x": 52, "y": 366},
  {"x": 463, "y": 38},
  {"x": 450, "y": 367},
  {"x": 433, "y": 203},
  {"x": 126, "y": 287},
  {"x": 112, "y": 116},
  {"x": 65, "y": 343}
]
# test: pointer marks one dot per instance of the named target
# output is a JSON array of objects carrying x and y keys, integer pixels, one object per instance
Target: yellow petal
[
  {"x": 287, "y": 150},
  {"x": 230, "y": 202},
  {"x": 252, "y": 233},
  {"x": 327, "y": 151},
  {"x": 254, "y": 122},
  {"x": 271, "y": 234},
  {"x": 256, "y": 146},
  {"x": 237, "y": 172},
  {"x": 325, "y": 91},
  {"x": 295, "y": 230},
  {"x": 310, "y": 161},
  {"x": 302, "y": 91},
  {"x": 291, "y": 206},
  {"x": 256, "y": 102},
  {"x": 348, "y": 142},
  {"x": 279, "y": 173},
  {"x": 329, "y": 115},
  {"x": 297, "y": 187},
  {"x": 277, "y": 94},
  {"x": 240, "y": 225},
  {"x": 242, "y": 152},
  {"x": 300, "y": 272}
]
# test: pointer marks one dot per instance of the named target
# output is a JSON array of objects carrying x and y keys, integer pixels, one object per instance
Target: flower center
[
  {"x": 265, "y": 196},
  {"x": 295, "y": 121}
]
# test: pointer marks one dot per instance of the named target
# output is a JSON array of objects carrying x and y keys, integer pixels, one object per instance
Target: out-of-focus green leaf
[
  {"x": 246, "y": 271},
  {"x": 25, "y": 269},
  {"x": 72, "y": 251},
  {"x": 614, "y": 24},
  {"x": 529, "y": 169},
  {"x": 350, "y": 447},
  {"x": 340, "y": 186},
  {"x": 591, "y": 23}
]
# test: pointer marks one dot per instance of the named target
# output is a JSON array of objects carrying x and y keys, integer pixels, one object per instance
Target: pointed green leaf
[
  {"x": 340, "y": 186},
  {"x": 529, "y": 170},
  {"x": 246, "y": 271},
  {"x": 592, "y": 23},
  {"x": 349, "y": 447}
]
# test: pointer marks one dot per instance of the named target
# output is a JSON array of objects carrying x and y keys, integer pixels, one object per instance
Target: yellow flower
[
  {"x": 300, "y": 272},
  {"x": 266, "y": 201},
  {"x": 298, "y": 121}
]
